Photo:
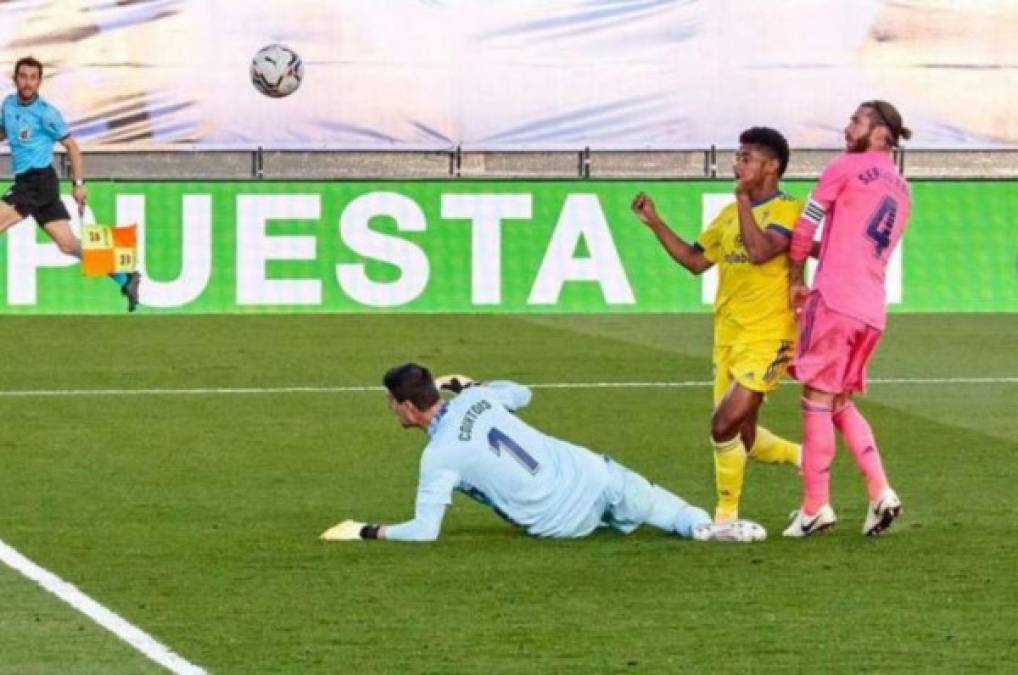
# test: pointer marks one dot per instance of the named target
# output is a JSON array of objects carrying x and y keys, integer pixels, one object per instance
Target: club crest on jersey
[{"x": 25, "y": 133}]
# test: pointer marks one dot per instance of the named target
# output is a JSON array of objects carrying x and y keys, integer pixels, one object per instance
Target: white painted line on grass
[
  {"x": 227, "y": 391},
  {"x": 129, "y": 633},
  {"x": 708, "y": 383},
  {"x": 200, "y": 391}
]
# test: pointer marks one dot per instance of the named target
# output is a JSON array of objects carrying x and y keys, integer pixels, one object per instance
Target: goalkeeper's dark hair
[
  {"x": 771, "y": 141},
  {"x": 27, "y": 62},
  {"x": 412, "y": 382}
]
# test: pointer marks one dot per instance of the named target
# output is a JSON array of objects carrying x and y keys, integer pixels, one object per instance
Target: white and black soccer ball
[{"x": 276, "y": 70}]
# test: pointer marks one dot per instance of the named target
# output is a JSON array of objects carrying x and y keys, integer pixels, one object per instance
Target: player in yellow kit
[{"x": 754, "y": 327}]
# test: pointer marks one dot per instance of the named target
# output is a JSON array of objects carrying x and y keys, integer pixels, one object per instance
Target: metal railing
[{"x": 582, "y": 164}]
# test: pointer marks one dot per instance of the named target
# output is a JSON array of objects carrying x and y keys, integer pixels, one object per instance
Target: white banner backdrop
[{"x": 521, "y": 74}]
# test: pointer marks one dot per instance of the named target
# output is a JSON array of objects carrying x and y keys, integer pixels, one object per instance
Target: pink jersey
[{"x": 866, "y": 203}]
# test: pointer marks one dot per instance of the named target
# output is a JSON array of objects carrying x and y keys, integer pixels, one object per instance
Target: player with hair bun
[{"x": 866, "y": 203}]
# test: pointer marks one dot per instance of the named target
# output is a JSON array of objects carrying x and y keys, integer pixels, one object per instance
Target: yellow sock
[
  {"x": 771, "y": 449},
  {"x": 729, "y": 470}
]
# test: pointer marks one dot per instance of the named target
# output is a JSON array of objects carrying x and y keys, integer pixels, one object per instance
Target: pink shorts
[{"x": 833, "y": 349}]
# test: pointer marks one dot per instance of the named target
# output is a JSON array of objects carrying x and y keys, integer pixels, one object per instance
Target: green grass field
[{"x": 196, "y": 517}]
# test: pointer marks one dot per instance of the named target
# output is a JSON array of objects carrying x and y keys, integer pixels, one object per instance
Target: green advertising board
[{"x": 469, "y": 246}]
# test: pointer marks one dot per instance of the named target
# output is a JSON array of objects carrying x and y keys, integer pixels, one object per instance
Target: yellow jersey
[{"x": 752, "y": 300}]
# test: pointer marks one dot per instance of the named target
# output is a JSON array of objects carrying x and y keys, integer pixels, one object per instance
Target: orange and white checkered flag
[{"x": 107, "y": 249}]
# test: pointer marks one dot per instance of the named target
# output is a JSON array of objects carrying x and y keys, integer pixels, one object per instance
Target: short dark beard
[{"x": 860, "y": 144}]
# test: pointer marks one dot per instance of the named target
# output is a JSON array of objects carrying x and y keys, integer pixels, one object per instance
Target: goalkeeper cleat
[
  {"x": 881, "y": 513},
  {"x": 130, "y": 290},
  {"x": 739, "y": 531},
  {"x": 453, "y": 383},
  {"x": 803, "y": 525}
]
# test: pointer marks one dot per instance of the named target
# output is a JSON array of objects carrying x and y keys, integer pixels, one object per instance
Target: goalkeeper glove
[
  {"x": 453, "y": 383},
  {"x": 350, "y": 530}
]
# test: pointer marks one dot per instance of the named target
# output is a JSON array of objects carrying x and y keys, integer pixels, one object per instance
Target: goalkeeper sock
[
  {"x": 772, "y": 449},
  {"x": 729, "y": 470},
  {"x": 859, "y": 438},
  {"x": 671, "y": 514}
]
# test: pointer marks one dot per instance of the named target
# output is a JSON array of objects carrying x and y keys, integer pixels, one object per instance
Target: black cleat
[{"x": 130, "y": 290}]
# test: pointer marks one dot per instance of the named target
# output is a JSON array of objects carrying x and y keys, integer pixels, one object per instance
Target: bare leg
[
  {"x": 60, "y": 232},
  {"x": 9, "y": 217},
  {"x": 736, "y": 413}
]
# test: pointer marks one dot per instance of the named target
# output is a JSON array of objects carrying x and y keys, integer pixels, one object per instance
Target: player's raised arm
[
  {"x": 761, "y": 244},
  {"x": 453, "y": 383},
  {"x": 510, "y": 394},
  {"x": 689, "y": 256}
]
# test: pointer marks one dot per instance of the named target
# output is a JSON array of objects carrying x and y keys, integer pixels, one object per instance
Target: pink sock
[
  {"x": 817, "y": 455},
  {"x": 859, "y": 438}
]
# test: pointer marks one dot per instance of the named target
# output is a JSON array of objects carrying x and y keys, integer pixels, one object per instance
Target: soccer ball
[{"x": 276, "y": 70}]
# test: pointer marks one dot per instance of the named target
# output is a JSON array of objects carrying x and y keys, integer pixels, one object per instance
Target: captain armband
[
  {"x": 814, "y": 212},
  {"x": 802, "y": 238}
]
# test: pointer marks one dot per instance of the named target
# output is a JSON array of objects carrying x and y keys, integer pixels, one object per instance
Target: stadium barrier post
[{"x": 258, "y": 164}]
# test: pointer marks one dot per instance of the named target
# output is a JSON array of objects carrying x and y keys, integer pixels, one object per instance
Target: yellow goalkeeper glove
[{"x": 348, "y": 530}]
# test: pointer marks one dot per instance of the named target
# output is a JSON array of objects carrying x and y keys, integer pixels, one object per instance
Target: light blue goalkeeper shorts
[{"x": 628, "y": 499}]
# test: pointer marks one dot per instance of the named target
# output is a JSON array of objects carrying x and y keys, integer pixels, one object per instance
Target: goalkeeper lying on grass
[{"x": 546, "y": 486}]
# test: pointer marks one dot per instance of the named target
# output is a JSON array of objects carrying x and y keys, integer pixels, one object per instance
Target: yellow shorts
[{"x": 757, "y": 366}]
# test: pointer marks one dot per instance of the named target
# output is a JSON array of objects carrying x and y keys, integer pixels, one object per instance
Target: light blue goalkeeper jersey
[{"x": 547, "y": 486}]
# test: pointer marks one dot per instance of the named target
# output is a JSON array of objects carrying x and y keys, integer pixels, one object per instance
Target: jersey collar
[
  {"x": 28, "y": 103},
  {"x": 761, "y": 202},
  {"x": 436, "y": 420},
  {"x": 880, "y": 155}
]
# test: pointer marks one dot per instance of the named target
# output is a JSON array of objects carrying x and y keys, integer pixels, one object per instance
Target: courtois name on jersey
[{"x": 547, "y": 486}]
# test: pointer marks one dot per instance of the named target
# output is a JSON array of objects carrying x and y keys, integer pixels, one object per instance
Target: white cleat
[
  {"x": 881, "y": 513},
  {"x": 804, "y": 526},
  {"x": 740, "y": 531}
]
